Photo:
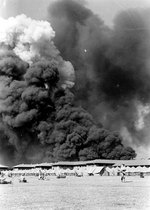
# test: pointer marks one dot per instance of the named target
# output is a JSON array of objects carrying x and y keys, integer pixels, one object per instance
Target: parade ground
[{"x": 77, "y": 193}]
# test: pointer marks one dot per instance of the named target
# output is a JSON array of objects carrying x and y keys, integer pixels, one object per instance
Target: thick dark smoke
[
  {"x": 112, "y": 66},
  {"x": 39, "y": 119},
  {"x": 75, "y": 136},
  {"x": 26, "y": 93}
]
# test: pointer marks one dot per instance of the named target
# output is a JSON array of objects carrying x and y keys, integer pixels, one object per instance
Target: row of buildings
[{"x": 93, "y": 167}]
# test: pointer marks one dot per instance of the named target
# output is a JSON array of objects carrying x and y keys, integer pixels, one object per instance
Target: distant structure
[
  {"x": 2, "y": 167},
  {"x": 93, "y": 167}
]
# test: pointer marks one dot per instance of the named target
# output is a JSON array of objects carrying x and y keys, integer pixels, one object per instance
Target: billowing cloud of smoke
[
  {"x": 112, "y": 65},
  {"x": 31, "y": 40},
  {"x": 30, "y": 68},
  {"x": 25, "y": 93},
  {"x": 38, "y": 119}
]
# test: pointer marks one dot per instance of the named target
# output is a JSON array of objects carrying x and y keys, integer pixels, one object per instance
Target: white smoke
[
  {"x": 68, "y": 72},
  {"x": 31, "y": 39},
  {"x": 126, "y": 135},
  {"x": 142, "y": 112}
]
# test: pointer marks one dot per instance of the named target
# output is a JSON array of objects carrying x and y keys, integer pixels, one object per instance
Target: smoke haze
[
  {"x": 40, "y": 118},
  {"x": 26, "y": 78},
  {"x": 39, "y": 121},
  {"x": 112, "y": 66}
]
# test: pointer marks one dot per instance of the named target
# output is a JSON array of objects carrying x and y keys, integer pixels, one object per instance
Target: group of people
[
  {"x": 5, "y": 178},
  {"x": 22, "y": 179}
]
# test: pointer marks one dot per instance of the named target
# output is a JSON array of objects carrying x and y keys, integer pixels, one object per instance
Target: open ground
[{"x": 77, "y": 193}]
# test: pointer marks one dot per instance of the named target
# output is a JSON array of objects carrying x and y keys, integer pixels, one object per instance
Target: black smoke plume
[
  {"x": 39, "y": 120},
  {"x": 112, "y": 66}
]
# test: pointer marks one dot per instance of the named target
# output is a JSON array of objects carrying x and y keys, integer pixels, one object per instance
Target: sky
[{"x": 37, "y": 9}]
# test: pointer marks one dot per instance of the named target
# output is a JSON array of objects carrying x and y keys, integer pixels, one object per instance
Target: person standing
[{"x": 123, "y": 172}]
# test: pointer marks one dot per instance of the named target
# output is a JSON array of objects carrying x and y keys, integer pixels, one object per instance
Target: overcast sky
[{"x": 106, "y": 9}]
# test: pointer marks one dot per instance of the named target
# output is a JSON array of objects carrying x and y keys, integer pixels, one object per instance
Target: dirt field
[{"x": 77, "y": 193}]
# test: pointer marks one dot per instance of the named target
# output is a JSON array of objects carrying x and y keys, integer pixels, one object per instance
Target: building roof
[
  {"x": 2, "y": 166},
  {"x": 67, "y": 163},
  {"x": 44, "y": 165},
  {"x": 102, "y": 161},
  {"x": 24, "y": 166},
  {"x": 89, "y": 162},
  {"x": 133, "y": 163}
]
